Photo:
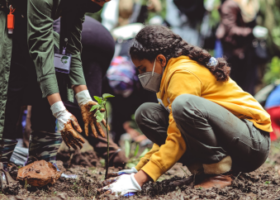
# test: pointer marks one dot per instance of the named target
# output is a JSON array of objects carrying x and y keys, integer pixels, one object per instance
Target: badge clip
[
  {"x": 11, "y": 20},
  {"x": 62, "y": 62}
]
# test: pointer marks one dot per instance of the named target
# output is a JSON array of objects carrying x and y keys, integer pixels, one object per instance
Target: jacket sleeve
[
  {"x": 229, "y": 12},
  {"x": 41, "y": 46},
  {"x": 74, "y": 47},
  {"x": 175, "y": 146}
]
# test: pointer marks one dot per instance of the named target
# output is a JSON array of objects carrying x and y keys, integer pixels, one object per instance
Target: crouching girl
[{"x": 203, "y": 119}]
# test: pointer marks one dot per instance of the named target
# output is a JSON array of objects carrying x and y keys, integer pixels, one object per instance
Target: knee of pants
[
  {"x": 148, "y": 111},
  {"x": 182, "y": 104},
  {"x": 141, "y": 112}
]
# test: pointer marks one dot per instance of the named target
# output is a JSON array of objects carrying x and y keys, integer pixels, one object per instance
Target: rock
[{"x": 39, "y": 173}]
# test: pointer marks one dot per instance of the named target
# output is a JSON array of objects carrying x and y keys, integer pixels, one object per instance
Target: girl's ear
[{"x": 161, "y": 58}]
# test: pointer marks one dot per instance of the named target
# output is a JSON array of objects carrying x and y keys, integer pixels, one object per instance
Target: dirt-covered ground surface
[{"x": 264, "y": 183}]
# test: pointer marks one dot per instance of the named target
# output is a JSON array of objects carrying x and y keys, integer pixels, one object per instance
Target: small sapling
[{"x": 101, "y": 114}]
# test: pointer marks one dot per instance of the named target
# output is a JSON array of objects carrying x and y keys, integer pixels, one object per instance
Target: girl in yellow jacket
[{"x": 203, "y": 119}]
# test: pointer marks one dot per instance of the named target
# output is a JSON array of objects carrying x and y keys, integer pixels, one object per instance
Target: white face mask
[{"x": 150, "y": 80}]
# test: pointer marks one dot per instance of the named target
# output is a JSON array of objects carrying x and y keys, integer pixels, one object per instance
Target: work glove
[
  {"x": 124, "y": 185},
  {"x": 66, "y": 121},
  {"x": 85, "y": 102}
]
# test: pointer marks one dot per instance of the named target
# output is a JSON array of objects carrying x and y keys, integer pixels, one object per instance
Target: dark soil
[{"x": 263, "y": 184}]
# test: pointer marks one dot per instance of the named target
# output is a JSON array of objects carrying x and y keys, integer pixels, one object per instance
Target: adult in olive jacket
[{"x": 16, "y": 68}]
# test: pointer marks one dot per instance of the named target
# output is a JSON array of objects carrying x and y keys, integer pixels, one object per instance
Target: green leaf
[
  {"x": 99, "y": 116},
  {"x": 98, "y": 99},
  {"x": 106, "y": 96},
  {"x": 144, "y": 152},
  {"x": 97, "y": 106},
  {"x": 136, "y": 150},
  {"x": 127, "y": 148}
]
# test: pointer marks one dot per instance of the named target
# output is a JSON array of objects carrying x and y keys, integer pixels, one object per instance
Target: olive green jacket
[{"x": 41, "y": 40}]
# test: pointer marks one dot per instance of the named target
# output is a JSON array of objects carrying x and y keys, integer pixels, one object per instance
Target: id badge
[{"x": 62, "y": 63}]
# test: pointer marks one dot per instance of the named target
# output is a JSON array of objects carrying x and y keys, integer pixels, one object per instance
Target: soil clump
[{"x": 39, "y": 173}]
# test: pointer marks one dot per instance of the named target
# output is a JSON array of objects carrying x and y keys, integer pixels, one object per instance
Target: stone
[{"x": 39, "y": 173}]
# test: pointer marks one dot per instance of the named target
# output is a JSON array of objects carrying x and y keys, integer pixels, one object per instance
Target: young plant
[
  {"x": 101, "y": 113},
  {"x": 131, "y": 154}
]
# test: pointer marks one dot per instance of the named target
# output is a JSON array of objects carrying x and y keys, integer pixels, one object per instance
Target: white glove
[
  {"x": 83, "y": 97},
  {"x": 61, "y": 114},
  {"x": 128, "y": 171},
  {"x": 66, "y": 121},
  {"x": 124, "y": 185}
]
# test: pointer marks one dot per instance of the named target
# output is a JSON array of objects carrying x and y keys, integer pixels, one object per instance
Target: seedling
[
  {"x": 101, "y": 113},
  {"x": 132, "y": 154}
]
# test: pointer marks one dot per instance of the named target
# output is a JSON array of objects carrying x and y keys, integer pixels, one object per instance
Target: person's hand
[
  {"x": 85, "y": 102},
  {"x": 122, "y": 172},
  {"x": 66, "y": 121},
  {"x": 124, "y": 185}
]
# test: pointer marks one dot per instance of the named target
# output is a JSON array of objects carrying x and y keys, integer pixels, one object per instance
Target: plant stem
[{"x": 106, "y": 118}]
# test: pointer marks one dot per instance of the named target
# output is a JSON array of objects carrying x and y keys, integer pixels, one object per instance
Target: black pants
[{"x": 210, "y": 131}]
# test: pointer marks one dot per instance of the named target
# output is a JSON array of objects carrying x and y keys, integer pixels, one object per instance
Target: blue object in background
[
  {"x": 274, "y": 98},
  {"x": 218, "y": 53}
]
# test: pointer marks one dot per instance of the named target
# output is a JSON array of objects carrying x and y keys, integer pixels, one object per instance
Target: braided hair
[{"x": 154, "y": 40}]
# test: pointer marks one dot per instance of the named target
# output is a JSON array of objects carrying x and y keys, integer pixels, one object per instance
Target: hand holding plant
[{"x": 93, "y": 119}]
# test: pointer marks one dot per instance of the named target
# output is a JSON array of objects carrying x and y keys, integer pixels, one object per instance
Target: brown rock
[{"x": 39, "y": 173}]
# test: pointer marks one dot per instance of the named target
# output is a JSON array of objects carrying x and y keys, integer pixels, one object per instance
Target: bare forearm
[
  {"x": 141, "y": 177},
  {"x": 79, "y": 88},
  {"x": 53, "y": 98}
]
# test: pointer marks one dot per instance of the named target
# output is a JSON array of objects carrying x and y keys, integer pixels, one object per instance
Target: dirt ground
[{"x": 263, "y": 183}]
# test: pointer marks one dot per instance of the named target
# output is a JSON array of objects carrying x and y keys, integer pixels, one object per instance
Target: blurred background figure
[
  {"x": 123, "y": 12},
  {"x": 238, "y": 33},
  {"x": 191, "y": 20}
]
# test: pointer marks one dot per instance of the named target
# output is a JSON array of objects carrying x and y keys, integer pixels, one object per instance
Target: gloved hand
[
  {"x": 124, "y": 185},
  {"x": 85, "y": 102},
  {"x": 122, "y": 172},
  {"x": 66, "y": 121}
]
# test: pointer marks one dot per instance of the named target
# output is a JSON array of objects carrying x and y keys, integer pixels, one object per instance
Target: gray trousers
[{"x": 210, "y": 131}]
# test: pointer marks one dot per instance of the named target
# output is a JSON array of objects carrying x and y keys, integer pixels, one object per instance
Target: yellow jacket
[{"x": 185, "y": 76}]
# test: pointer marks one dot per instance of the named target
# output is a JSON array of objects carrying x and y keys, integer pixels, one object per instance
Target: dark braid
[{"x": 154, "y": 40}]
